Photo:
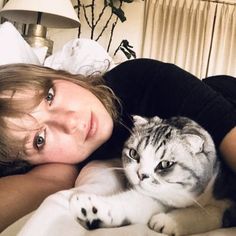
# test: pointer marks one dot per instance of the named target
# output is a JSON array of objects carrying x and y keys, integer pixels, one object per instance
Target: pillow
[
  {"x": 41, "y": 53},
  {"x": 13, "y": 48},
  {"x": 81, "y": 56}
]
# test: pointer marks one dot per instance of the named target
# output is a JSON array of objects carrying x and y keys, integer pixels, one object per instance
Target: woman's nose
[{"x": 68, "y": 121}]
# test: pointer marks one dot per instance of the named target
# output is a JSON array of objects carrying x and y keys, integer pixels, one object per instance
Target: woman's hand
[{"x": 21, "y": 194}]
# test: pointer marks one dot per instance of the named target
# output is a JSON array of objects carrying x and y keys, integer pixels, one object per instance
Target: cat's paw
[
  {"x": 91, "y": 211},
  {"x": 164, "y": 223}
]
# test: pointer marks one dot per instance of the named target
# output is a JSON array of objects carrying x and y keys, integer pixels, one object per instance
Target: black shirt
[{"x": 148, "y": 88}]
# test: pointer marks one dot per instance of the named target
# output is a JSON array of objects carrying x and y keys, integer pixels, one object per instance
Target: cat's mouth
[
  {"x": 155, "y": 181},
  {"x": 147, "y": 182}
]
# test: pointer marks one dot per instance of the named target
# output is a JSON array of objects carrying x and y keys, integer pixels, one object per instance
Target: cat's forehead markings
[
  {"x": 159, "y": 146},
  {"x": 163, "y": 154}
]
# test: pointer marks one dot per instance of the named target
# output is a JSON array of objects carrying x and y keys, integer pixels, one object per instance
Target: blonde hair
[{"x": 25, "y": 77}]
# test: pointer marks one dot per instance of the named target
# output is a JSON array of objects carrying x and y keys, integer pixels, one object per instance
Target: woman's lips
[{"x": 92, "y": 127}]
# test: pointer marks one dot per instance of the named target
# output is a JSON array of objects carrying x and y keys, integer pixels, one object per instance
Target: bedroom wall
[{"x": 131, "y": 29}]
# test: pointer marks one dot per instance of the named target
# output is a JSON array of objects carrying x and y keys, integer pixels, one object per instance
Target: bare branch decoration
[{"x": 93, "y": 22}]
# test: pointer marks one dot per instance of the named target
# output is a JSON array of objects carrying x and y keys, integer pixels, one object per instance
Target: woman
[{"x": 51, "y": 116}]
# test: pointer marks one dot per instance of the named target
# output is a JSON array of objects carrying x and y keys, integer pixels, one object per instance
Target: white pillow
[
  {"x": 13, "y": 48},
  {"x": 81, "y": 56},
  {"x": 41, "y": 53}
]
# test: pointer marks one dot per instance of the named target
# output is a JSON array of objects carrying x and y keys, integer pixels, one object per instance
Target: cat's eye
[
  {"x": 163, "y": 165},
  {"x": 134, "y": 154}
]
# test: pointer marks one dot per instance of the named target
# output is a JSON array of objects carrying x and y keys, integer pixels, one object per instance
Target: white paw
[
  {"x": 164, "y": 223},
  {"x": 91, "y": 211}
]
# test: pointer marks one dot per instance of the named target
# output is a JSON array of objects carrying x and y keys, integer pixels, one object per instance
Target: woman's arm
[
  {"x": 228, "y": 149},
  {"x": 21, "y": 194}
]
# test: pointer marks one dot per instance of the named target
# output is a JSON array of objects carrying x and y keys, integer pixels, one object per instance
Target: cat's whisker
[
  {"x": 125, "y": 126},
  {"x": 201, "y": 206},
  {"x": 138, "y": 135},
  {"x": 114, "y": 168},
  {"x": 198, "y": 204},
  {"x": 187, "y": 196},
  {"x": 97, "y": 172}
]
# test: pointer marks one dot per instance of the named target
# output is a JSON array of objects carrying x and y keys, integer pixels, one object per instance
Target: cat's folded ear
[
  {"x": 139, "y": 120},
  {"x": 196, "y": 142},
  {"x": 156, "y": 119}
]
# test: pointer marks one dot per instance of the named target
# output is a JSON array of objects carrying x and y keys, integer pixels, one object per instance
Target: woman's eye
[
  {"x": 134, "y": 154},
  {"x": 165, "y": 165},
  {"x": 50, "y": 96},
  {"x": 40, "y": 140}
]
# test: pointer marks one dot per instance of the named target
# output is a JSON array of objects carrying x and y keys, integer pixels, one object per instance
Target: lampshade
[{"x": 55, "y": 13}]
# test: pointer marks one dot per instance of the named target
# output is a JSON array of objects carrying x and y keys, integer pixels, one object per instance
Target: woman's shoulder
[
  {"x": 142, "y": 62},
  {"x": 223, "y": 84},
  {"x": 129, "y": 79},
  {"x": 145, "y": 68},
  {"x": 133, "y": 67}
]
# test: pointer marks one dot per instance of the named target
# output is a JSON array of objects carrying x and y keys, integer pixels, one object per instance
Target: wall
[{"x": 131, "y": 29}]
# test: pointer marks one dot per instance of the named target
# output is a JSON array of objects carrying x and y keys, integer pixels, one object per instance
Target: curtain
[
  {"x": 181, "y": 32},
  {"x": 223, "y": 53}
]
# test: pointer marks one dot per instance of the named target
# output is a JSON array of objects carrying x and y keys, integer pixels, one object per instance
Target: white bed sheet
[{"x": 53, "y": 217}]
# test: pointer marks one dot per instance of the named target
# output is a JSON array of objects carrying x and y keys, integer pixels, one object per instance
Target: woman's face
[{"x": 68, "y": 125}]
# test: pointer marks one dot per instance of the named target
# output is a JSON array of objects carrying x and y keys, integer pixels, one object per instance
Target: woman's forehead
[
  {"x": 6, "y": 94},
  {"x": 22, "y": 128},
  {"x": 20, "y": 102},
  {"x": 21, "y": 121},
  {"x": 18, "y": 94},
  {"x": 24, "y": 94},
  {"x": 22, "y": 124}
]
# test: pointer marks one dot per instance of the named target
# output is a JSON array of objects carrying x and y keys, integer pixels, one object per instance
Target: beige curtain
[
  {"x": 223, "y": 53},
  {"x": 180, "y": 32}
]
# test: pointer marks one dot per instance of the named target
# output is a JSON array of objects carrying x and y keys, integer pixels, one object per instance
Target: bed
[{"x": 53, "y": 217}]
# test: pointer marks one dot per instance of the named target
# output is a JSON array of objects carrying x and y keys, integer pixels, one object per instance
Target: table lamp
[{"x": 39, "y": 14}]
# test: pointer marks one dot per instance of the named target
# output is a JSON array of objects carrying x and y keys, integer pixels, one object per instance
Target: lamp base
[{"x": 36, "y": 37}]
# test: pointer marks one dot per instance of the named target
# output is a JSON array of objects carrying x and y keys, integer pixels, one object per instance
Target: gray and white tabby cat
[{"x": 172, "y": 168}]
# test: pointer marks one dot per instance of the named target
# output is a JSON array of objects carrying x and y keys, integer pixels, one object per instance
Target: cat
[{"x": 172, "y": 169}]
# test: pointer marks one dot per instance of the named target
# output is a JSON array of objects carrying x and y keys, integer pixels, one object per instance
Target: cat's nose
[{"x": 142, "y": 176}]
